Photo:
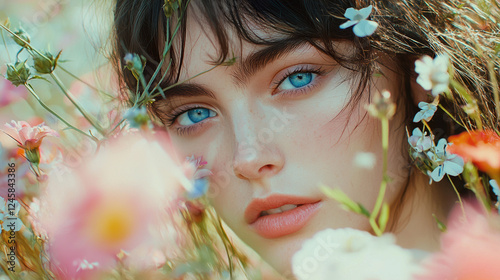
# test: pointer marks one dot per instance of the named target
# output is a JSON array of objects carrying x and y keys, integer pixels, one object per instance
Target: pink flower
[
  {"x": 470, "y": 249},
  {"x": 110, "y": 203},
  {"x": 28, "y": 137}
]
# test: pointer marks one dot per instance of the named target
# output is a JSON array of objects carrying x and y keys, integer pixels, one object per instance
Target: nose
[{"x": 257, "y": 154}]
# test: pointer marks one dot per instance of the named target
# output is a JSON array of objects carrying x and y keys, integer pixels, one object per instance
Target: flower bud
[
  {"x": 18, "y": 74},
  {"x": 23, "y": 35},
  {"x": 170, "y": 6},
  {"x": 382, "y": 106},
  {"x": 45, "y": 65}
]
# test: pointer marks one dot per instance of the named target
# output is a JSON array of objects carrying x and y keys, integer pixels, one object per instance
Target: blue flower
[
  {"x": 426, "y": 112},
  {"x": 358, "y": 18},
  {"x": 447, "y": 163}
]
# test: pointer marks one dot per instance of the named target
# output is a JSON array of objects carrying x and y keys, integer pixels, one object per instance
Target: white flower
[
  {"x": 426, "y": 112},
  {"x": 433, "y": 73},
  {"x": 450, "y": 164},
  {"x": 420, "y": 142},
  {"x": 365, "y": 160},
  {"x": 349, "y": 254},
  {"x": 358, "y": 18}
]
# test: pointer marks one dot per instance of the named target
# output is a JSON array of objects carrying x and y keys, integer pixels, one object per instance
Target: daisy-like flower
[
  {"x": 359, "y": 18},
  {"x": 433, "y": 73},
  {"x": 481, "y": 147},
  {"x": 347, "y": 253},
  {"x": 420, "y": 142},
  {"x": 426, "y": 112},
  {"x": 470, "y": 248},
  {"x": 447, "y": 163}
]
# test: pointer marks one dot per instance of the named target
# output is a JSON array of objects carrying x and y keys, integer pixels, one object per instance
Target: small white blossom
[
  {"x": 347, "y": 253},
  {"x": 426, "y": 112},
  {"x": 420, "y": 142},
  {"x": 450, "y": 164},
  {"x": 359, "y": 18},
  {"x": 365, "y": 160},
  {"x": 433, "y": 73}
]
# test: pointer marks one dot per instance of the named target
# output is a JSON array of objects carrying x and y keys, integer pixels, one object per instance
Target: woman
[{"x": 282, "y": 108}]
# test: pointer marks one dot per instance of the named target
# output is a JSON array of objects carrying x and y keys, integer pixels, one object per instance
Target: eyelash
[
  {"x": 170, "y": 118},
  {"x": 303, "y": 69}
]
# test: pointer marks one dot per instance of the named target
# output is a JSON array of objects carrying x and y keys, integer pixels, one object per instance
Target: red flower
[{"x": 481, "y": 147}]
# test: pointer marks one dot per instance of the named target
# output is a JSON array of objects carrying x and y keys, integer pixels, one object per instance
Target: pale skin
[{"x": 275, "y": 133}]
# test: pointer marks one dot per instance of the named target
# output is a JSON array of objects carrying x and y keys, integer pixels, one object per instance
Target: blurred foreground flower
[
  {"x": 470, "y": 249},
  {"x": 115, "y": 201},
  {"x": 349, "y": 254},
  {"x": 482, "y": 147}
]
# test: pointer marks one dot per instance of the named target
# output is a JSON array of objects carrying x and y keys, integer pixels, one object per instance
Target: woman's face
[{"x": 272, "y": 129}]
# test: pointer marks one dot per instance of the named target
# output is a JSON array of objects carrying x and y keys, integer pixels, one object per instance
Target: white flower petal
[
  {"x": 424, "y": 82},
  {"x": 441, "y": 147},
  {"x": 348, "y": 24},
  {"x": 365, "y": 28},
  {"x": 438, "y": 89}
]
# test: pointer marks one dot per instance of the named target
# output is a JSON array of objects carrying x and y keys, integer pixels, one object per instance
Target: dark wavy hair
[{"x": 408, "y": 29}]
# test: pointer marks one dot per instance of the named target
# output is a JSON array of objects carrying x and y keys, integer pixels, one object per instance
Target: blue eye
[
  {"x": 297, "y": 80},
  {"x": 195, "y": 115}
]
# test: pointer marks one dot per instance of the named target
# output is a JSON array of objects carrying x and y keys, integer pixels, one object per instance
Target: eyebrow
[
  {"x": 244, "y": 69},
  {"x": 257, "y": 60}
]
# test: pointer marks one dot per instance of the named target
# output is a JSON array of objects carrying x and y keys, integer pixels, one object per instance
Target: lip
[{"x": 281, "y": 224}]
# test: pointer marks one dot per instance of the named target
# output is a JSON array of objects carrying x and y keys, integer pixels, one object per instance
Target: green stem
[
  {"x": 73, "y": 101},
  {"x": 458, "y": 195},
  {"x": 494, "y": 83},
  {"x": 383, "y": 184},
  {"x": 5, "y": 44},
  {"x": 30, "y": 89},
  {"x": 451, "y": 116}
]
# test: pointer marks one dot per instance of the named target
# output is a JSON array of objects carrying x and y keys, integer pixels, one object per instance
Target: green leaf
[
  {"x": 441, "y": 225},
  {"x": 345, "y": 201}
]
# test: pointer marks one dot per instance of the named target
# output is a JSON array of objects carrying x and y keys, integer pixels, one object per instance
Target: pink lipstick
[{"x": 280, "y": 215}]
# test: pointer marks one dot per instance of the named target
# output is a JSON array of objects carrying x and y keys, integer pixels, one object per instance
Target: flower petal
[
  {"x": 452, "y": 168},
  {"x": 348, "y": 24},
  {"x": 365, "y": 28},
  {"x": 365, "y": 12},
  {"x": 438, "y": 173},
  {"x": 350, "y": 13}
]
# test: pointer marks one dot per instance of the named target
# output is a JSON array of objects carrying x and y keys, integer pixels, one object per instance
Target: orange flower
[{"x": 481, "y": 147}]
